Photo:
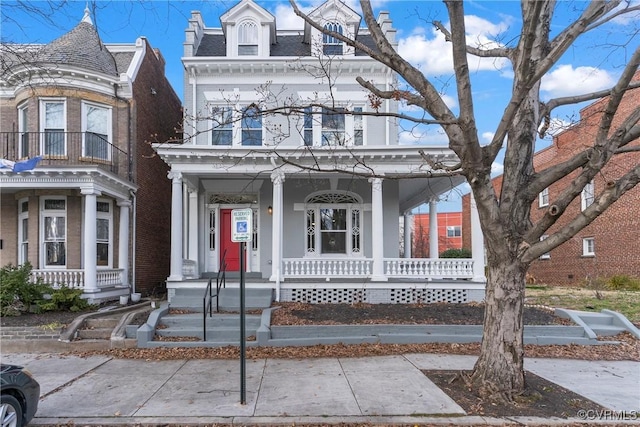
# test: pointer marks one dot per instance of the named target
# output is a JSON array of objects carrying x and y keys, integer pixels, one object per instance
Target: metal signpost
[{"x": 241, "y": 231}]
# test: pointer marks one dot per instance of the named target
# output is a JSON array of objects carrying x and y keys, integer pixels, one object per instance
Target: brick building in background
[
  {"x": 449, "y": 233},
  {"x": 94, "y": 214},
  {"x": 609, "y": 245}
]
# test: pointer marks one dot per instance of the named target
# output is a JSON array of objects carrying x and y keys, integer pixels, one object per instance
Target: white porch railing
[
  {"x": 76, "y": 278},
  {"x": 436, "y": 268},
  {"x": 314, "y": 267}
]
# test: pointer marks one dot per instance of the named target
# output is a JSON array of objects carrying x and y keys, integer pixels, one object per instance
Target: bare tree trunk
[{"x": 499, "y": 371}]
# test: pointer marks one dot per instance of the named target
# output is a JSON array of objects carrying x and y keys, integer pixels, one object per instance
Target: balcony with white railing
[
  {"x": 75, "y": 278},
  {"x": 406, "y": 268}
]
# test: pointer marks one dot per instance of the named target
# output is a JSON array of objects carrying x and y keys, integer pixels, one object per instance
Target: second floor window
[
  {"x": 247, "y": 38},
  {"x": 251, "y": 126},
  {"x": 330, "y": 44},
  {"x": 54, "y": 128},
  {"x": 23, "y": 128},
  {"x": 588, "y": 195},
  {"x": 222, "y": 126},
  {"x": 333, "y": 126},
  {"x": 96, "y": 123},
  {"x": 543, "y": 198}
]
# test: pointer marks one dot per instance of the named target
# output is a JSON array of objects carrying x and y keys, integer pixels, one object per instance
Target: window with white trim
[
  {"x": 545, "y": 255},
  {"x": 330, "y": 44},
  {"x": 247, "y": 38},
  {"x": 307, "y": 127},
  {"x": 53, "y": 127},
  {"x": 23, "y": 231},
  {"x": 236, "y": 126},
  {"x": 54, "y": 231},
  {"x": 251, "y": 126},
  {"x": 333, "y": 223},
  {"x": 543, "y": 198},
  {"x": 222, "y": 125},
  {"x": 104, "y": 221},
  {"x": 23, "y": 129},
  {"x": 335, "y": 126},
  {"x": 96, "y": 127},
  {"x": 588, "y": 195},
  {"x": 588, "y": 246},
  {"x": 454, "y": 231}
]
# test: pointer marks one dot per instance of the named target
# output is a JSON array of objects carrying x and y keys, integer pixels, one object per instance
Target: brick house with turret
[{"x": 94, "y": 214}]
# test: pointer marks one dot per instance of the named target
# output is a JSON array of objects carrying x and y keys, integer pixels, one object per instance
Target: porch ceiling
[{"x": 416, "y": 191}]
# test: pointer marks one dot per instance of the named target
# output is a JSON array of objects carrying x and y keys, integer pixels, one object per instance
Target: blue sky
[{"x": 594, "y": 63}]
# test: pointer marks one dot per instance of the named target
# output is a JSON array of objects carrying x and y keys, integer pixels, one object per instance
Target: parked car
[{"x": 20, "y": 394}]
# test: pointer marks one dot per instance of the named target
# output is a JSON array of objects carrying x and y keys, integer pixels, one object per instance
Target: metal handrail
[{"x": 207, "y": 304}]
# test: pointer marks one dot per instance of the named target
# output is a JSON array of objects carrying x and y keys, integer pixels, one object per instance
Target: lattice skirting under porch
[{"x": 380, "y": 296}]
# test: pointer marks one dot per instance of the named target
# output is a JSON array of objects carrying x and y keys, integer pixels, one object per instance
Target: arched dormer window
[
  {"x": 333, "y": 222},
  {"x": 330, "y": 44},
  {"x": 247, "y": 38}
]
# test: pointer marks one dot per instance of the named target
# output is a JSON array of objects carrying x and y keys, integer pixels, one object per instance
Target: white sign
[{"x": 241, "y": 225}]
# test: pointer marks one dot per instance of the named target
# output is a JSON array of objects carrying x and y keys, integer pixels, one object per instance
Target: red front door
[{"x": 232, "y": 248}]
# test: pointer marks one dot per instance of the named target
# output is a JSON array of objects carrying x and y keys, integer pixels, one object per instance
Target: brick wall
[
  {"x": 158, "y": 114},
  {"x": 616, "y": 232}
]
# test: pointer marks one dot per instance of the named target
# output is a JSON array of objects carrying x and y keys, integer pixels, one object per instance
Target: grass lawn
[{"x": 625, "y": 302}]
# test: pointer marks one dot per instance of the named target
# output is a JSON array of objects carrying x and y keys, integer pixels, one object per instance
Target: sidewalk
[{"x": 99, "y": 390}]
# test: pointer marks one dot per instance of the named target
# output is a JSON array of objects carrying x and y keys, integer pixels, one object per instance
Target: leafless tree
[{"x": 512, "y": 239}]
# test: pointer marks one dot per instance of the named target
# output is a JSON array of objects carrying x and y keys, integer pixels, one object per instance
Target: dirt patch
[
  {"x": 413, "y": 314},
  {"x": 541, "y": 398}
]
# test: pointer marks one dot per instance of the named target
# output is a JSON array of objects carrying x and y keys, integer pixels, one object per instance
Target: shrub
[
  {"x": 64, "y": 299},
  {"x": 456, "y": 253},
  {"x": 17, "y": 293},
  {"x": 622, "y": 282}
]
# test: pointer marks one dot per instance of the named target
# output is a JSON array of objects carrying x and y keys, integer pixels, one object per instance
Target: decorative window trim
[
  {"x": 233, "y": 122},
  {"x": 349, "y": 126},
  {"x": 330, "y": 45},
  {"x": 588, "y": 247},
  {"x": 246, "y": 46}
]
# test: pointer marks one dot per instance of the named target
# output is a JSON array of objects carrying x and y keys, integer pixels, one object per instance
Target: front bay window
[
  {"x": 103, "y": 233},
  {"x": 53, "y": 126},
  {"x": 333, "y": 224},
  {"x": 236, "y": 126},
  {"x": 96, "y": 124},
  {"x": 333, "y": 126}
]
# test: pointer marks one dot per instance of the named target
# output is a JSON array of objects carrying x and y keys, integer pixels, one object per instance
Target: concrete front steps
[
  {"x": 606, "y": 323},
  {"x": 181, "y": 321}
]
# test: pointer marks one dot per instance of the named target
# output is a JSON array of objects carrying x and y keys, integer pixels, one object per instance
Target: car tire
[{"x": 10, "y": 411}]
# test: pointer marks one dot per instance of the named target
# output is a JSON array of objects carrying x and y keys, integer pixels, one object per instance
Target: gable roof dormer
[
  {"x": 336, "y": 16},
  {"x": 249, "y": 30}
]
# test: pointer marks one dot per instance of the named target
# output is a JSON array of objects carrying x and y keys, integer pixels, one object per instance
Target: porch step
[
  {"x": 604, "y": 323},
  {"x": 98, "y": 328},
  {"x": 229, "y": 299},
  {"x": 220, "y": 327}
]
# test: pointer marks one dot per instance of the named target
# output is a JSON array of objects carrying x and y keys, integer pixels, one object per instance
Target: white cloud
[
  {"x": 496, "y": 169},
  {"x": 566, "y": 81},
  {"x": 486, "y": 137},
  {"x": 431, "y": 53},
  {"x": 431, "y": 137}
]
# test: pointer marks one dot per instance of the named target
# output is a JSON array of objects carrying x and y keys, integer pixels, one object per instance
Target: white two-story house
[{"x": 275, "y": 121}]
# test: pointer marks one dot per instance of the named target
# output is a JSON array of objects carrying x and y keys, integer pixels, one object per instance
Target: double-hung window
[
  {"x": 251, "y": 126},
  {"x": 53, "y": 120},
  {"x": 103, "y": 233},
  {"x": 247, "y": 38},
  {"x": 333, "y": 225},
  {"x": 588, "y": 246},
  {"x": 454, "y": 231},
  {"x": 333, "y": 126},
  {"x": 588, "y": 195},
  {"x": 543, "y": 198},
  {"x": 23, "y": 131},
  {"x": 222, "y": 125},
  {"x": 54, "y": 231},
  {"x": 97, "y": 131},
  {"x": 307, "y": 129},
  {"x": 330, "y": 44},
  {"x": 23, "y": 231}
]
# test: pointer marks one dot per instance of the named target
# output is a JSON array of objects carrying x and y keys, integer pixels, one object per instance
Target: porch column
[
  {"x": 277, "y": 177},
  {"x": 408, "y": 223},
  {"x": 90, "y": 235},
  {"x": 176, "y": 225},
  {"x": 377, "y": 233},
  {"x": 123, "y": 241},
  {"x": 477, "y": 244},
  {"x": 193, "y": 225},
  {"x": 433, "y": 229}
]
